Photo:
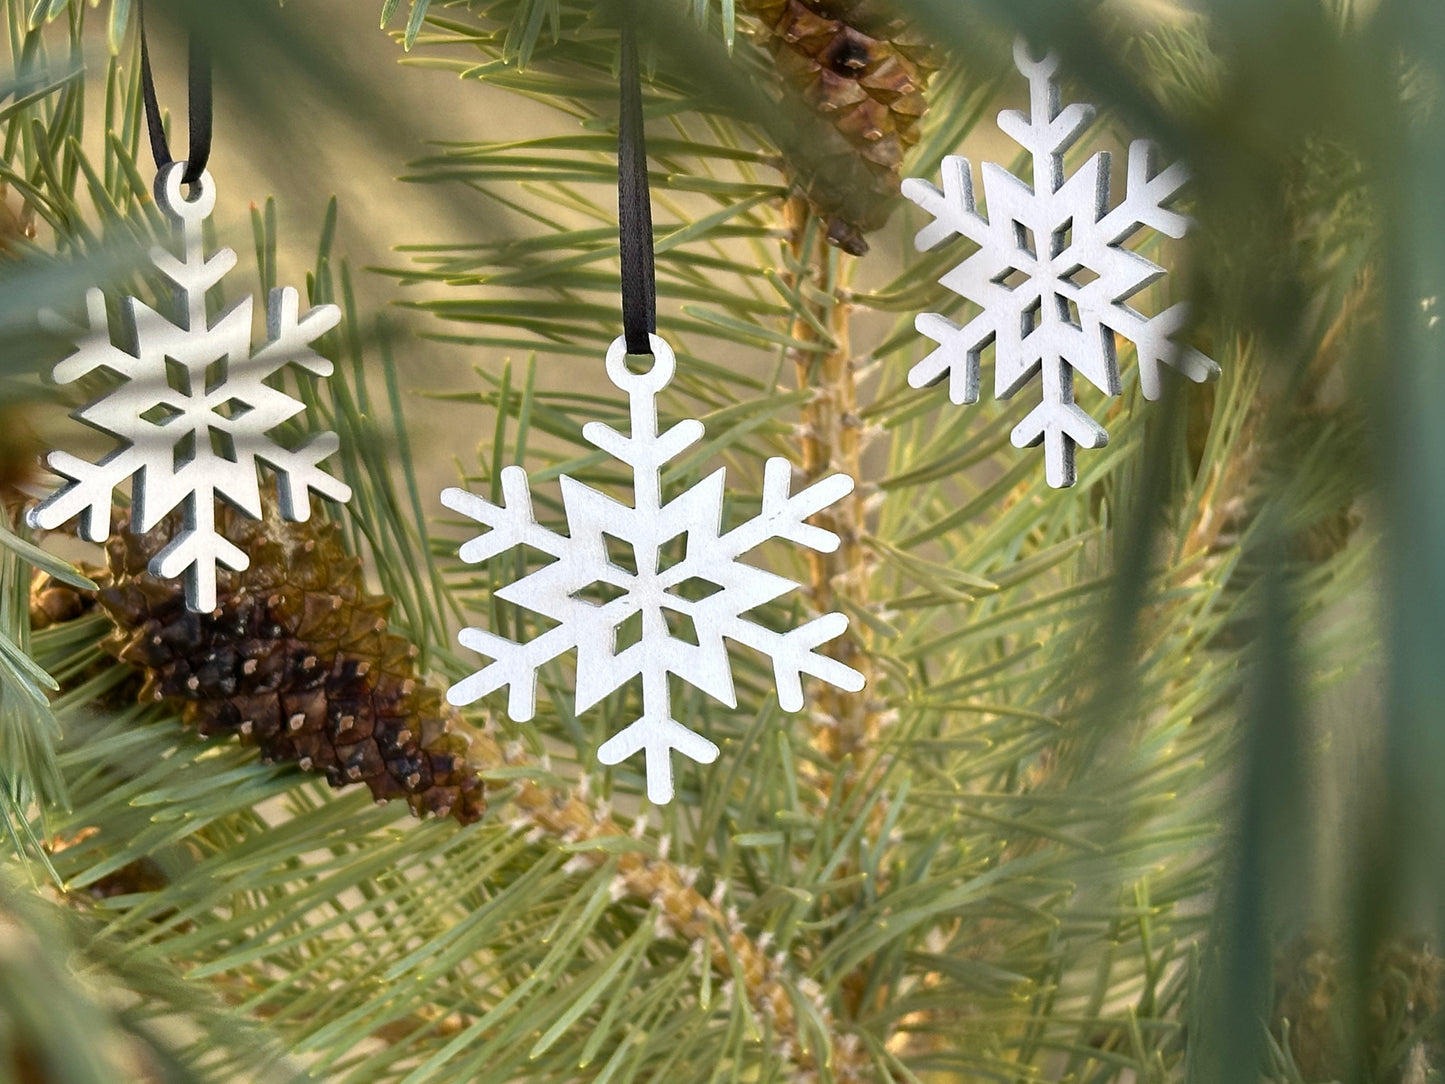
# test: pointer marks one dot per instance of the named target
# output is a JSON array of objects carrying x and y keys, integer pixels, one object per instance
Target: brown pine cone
[
  {"x": 859, "y": 65},
  {"x": 54, "y": 602},
  {"x": 296, "y": 658},
  {"x": 142, "y": 875}
]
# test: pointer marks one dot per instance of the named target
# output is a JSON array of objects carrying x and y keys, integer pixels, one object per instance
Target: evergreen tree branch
[
  {"x": 833, "y": 439},
  {"x": 960, "y": 893},
  {"x": 703, "y": 924}
]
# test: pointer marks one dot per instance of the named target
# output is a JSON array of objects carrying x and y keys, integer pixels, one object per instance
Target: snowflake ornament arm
[
  {"x": 194, "y": 410},
  {"x": 649, "y": 591},
  {"x": 1051, "y": 276}
]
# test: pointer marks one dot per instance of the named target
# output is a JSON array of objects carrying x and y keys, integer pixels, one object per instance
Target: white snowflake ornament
[
  {"x": 1051, "y": 275},
  {"x": 732, "y": 588},
  {"x": 194, "y": 411}
]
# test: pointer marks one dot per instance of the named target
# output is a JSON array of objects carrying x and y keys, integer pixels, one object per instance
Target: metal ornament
[
  {"x": 194, "y": 410},
  {"x": 731, "y": 588},
  {"x": 1051, "y": 274}
]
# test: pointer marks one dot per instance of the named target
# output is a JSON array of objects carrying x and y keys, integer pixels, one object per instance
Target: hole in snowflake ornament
[
  {"x": 1063, "y": 240},
  {"x": 1024, "y": 240},
  {"x": 695, "y": 589},
  {"x": 600, "y": 594},
  {"x": 680, "y": 627},
  {"x": 183, "y": 452},
  {"x": 1031, "y": 317},
  {"x": 1011, "y": 278},
  {"x": 1085, "y": 246},
  {"x": 657, "y": 595},
  {"x": 627, "y": 633},
  {"x": 672, "y": 554},
  {"x": 223, "y": 445},
  {"x": 1069, "y": 311},
  {"x": 621, "y": 554},
  {"x": 177, "y": 375},
  {"x": 234, "y": 409},
  {"x": 216, "y": 376},
  {"x": 161, "y": 414},
  {"x": 639, "y": 364}
]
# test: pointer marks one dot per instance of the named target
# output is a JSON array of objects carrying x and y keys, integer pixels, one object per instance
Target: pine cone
[
  {"x": 142, "y": 875},
  {"x": 859, "y": 65},
  {"x": 54, "y": 602},
  {"x": 296, "y": 658}
]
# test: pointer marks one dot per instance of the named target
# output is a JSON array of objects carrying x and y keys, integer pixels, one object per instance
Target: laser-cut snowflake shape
[
  {"x": 560, "y": 591},
  {"x": 1051, "y": 274},
  {"x": 194, "y": 410}
]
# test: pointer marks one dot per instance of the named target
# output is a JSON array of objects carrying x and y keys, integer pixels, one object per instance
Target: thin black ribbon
[
  {"x": 199, "y": 109},
  {"x": 634, "y": 208}
]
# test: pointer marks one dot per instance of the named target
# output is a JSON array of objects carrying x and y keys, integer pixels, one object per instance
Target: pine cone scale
[{"x": 865, "y": 71}]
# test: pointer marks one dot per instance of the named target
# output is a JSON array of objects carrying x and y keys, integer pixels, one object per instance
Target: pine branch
[
  {"x": 833, "y": 439},
  {"x": 938, "y": 879},
  {"x": 704, "y": 925},
  {"x": 1048, "y": 598}
]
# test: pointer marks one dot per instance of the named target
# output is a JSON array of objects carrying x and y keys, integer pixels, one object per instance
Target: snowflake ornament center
[
  {"x": 665, "y": 597},
  {"x": 202, "y": 413},
  {"x": 1038, "y": 282},
  {"x": 194, "y": 411},
  {"x": 592, "y": 595},
  {"x": 1051, "y": 275},
  {"x": 638, "y": 592}
]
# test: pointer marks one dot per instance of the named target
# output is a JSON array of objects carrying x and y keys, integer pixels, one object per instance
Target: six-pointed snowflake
[
  {"x": 645, "y": 588},
  {"x": 194, "y": 410},
  {"x": 1051, "y": 275}
]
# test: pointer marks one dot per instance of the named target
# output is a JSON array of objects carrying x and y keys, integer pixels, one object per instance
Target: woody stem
[{"x": 832, "y": 440}]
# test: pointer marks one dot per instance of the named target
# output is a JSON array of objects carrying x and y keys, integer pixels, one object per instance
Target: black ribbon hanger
[
  {"x": 634, "y": 207},
  {"x": 199, "y": 109}
]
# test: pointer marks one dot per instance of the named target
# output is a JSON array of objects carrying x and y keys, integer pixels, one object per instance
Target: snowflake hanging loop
[
  {"x": 1051, "y": 274},
  {"x": 194, "y": 411},
  {"x": 731, "y": 588}
]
